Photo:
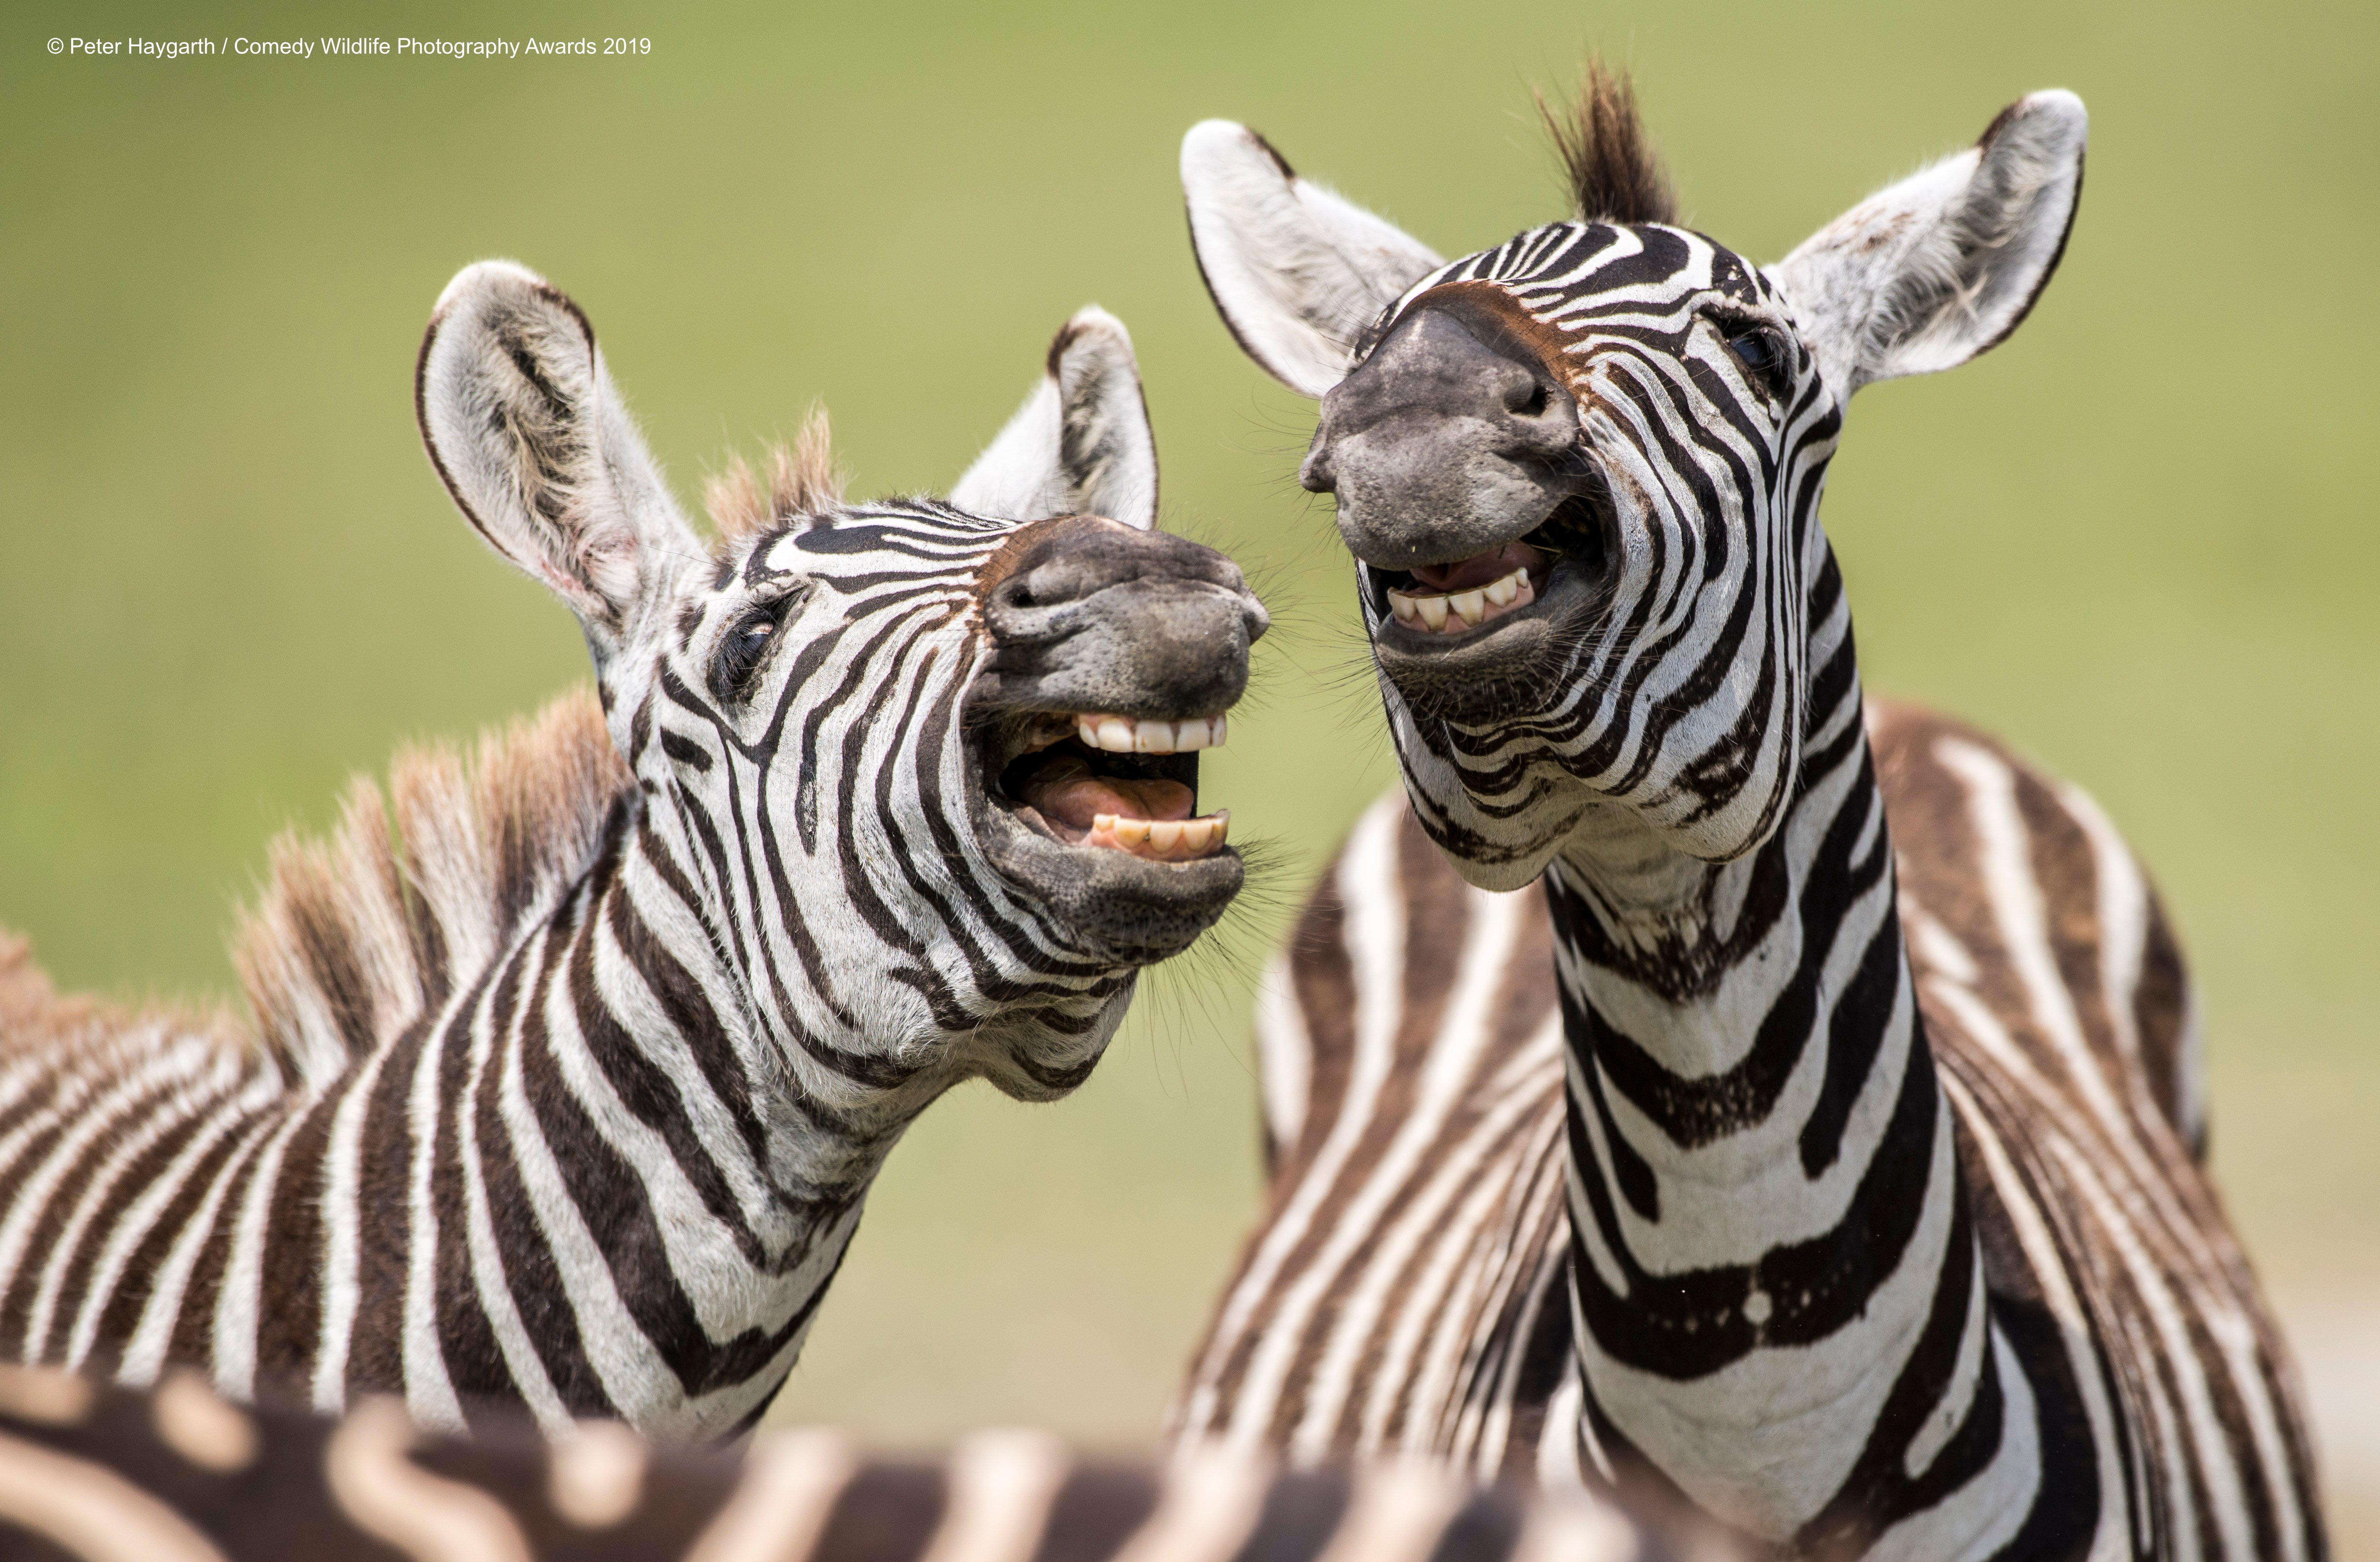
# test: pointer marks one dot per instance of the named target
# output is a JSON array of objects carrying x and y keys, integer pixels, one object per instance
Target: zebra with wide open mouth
[{"x": 570, "y": 1065}]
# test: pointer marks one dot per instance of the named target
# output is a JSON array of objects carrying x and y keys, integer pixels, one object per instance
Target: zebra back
[{"x": 177, "y": 1474}]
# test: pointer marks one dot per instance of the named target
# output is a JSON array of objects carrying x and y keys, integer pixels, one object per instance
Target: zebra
[
  {"x": 570, "y": 1068},
  {"x": 177, "y": 1473},
  {"x": 1842, "y": 1181}
]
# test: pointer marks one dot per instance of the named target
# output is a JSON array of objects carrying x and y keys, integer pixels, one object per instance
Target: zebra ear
[
  {"x": 1296, "y": 273},
  {"x": 529, "y": 437},
  {"x": 1081, "y": 444},
  {"x": 1928, "y": 273}
]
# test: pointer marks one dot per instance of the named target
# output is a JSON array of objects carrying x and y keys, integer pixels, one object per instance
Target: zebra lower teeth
[{"x": 1173, "y": 840}]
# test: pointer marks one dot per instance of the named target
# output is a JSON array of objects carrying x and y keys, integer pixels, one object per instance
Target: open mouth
[
  {"x": 1465, "y": 594},
  {"x": 1108, "y": 782}
]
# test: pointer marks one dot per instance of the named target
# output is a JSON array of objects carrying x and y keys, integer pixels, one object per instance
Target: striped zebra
[
  {"x": 570, "y": 1068},
  {"x": 177, "y": 1473},
  {"x": 1842, "y": 1181}
]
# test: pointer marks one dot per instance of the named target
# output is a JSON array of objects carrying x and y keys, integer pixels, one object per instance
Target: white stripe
[
  {"x": 343, "y": 1216},
  {"x": 140, "y": 1217},
  {"x": 488, "y": 1278},
  {"x": 1284, "y": 1053},
  {"x": 93, "y": 1114},
  {"x": 166, "y": 1112},
  {"x": 430, "y": 1397},
  {"x": 144, "y": 1356},
  {"x": 1374, "y": 911},
  {"x": 1447, "y": 1068},
  {"x": 2109, "y": 1540},
  {"x": 1449, "y": 1173},
  {"x": 238, "y": 1303}
]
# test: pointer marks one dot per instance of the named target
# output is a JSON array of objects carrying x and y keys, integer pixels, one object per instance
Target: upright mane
[
  {"x": 801, "y": 480},
  {"x": 1608, "y": 161},
  {"x": 360, "y": 935}
]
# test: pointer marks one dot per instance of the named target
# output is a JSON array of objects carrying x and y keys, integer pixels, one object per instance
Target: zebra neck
[
  {"x": 799, "y": 1126},
  {"x": 692, "y": 1200},
  {"x": 1766, "y": 1202}
]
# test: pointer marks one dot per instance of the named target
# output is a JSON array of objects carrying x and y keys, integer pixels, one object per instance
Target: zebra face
[
  {"x": 1564, "y": 472},
  {"x": 975, "y": 728},
  {"x": 924, "y": 772},
  {"x": 1579, "y": 471}
]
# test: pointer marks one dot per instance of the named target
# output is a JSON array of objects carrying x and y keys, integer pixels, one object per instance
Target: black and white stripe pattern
[
  {"x": 1405, "y": 1292},
  {"x": 178, "y": 1474},
  {"x": 1886, "y": 1234},
  {"x": 573, "y": 1065}
]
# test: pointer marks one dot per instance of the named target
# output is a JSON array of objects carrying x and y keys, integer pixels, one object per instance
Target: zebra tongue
[{"x": 1067, "y": 791}]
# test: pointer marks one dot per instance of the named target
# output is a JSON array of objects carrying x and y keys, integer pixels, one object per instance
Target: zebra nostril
[{"x": 1527, "y": 397}]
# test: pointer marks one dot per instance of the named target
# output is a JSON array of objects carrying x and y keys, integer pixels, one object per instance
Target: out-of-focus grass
[{"x": 2139, "y": 538}]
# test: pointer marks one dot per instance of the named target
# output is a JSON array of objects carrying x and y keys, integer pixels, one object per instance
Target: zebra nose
[
  {"x": 1094, "y": 614},
  {"x": 1449, "y": 440}
]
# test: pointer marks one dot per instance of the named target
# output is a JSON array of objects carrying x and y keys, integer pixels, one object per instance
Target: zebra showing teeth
[
  {"x": 1823, "y": 1144},
  {"x": 570, "y": 1068},
  {"x": 1453, "y": 613},
  {"x": 1124, "y": 734}
]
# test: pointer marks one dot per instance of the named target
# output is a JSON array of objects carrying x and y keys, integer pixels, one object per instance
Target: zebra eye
[
  {"x": 741, "y": 652},
  {"x": 1762, "y": 350}
]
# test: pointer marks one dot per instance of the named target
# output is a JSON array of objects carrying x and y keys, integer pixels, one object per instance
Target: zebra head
[
  {"x": 922, "y": 774},
  {"x": 1580, "y": 470}
]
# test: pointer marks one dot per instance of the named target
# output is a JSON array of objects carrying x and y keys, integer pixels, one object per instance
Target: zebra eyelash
[
  {"x": 1764, "y": 351},
  {"x": 744, "y": 649}
]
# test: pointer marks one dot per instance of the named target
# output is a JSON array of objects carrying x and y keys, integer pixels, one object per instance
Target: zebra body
[
  {"x": 178, "y": 1474},
  {"x": 565, "y": 1089},
  {"x": 1405, "y": 1289},
  {"x": 1851, "y": 1197}
]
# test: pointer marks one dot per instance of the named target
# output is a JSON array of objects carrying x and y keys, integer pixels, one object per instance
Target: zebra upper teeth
[
  {"x": 1453, "y": 612},
  {"x": 1124, "y": 734}
]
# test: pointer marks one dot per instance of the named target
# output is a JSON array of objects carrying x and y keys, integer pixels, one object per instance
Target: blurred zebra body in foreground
[
  {"x": 177, "y": 1474},
  {"x": 572, "y": 1067},
  {"x": 1835, "y": 1173}
]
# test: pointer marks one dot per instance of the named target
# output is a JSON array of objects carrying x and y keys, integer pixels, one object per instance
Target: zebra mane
[
  {"x": 357, "y": 936},
  {"x": 33, "y": 1015},
  {"x": 802, "y": 480},
  {"x": 1613, "y": 172}
]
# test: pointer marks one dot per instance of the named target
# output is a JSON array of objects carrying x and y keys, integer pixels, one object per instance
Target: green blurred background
[{"x": 2139, "y": 539}]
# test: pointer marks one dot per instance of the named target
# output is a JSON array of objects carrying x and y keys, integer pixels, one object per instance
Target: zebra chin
[{"x": 1125, "y": 908}]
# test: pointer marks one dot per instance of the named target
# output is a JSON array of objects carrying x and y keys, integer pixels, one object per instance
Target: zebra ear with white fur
[
  {"x": 1081, "y": 444},
  {"x": 1930, "y": 272},
  {"x": 530, "y": 438},
  {"x": 1297, "y": 272}
]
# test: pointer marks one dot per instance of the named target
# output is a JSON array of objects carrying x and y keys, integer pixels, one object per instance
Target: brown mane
[
  {"x": 34, "y": 1014},
  {"x": 1613, "y": 172},
  {"x": 802, "y": 480},
  {"x": 359, "y": 935}
]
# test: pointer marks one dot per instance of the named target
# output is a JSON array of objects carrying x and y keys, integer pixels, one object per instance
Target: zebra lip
[
  {"x": 1505, "y": 669},
  {"x": 1532, "y": 577},
  {"x": 1464, "y": 594}
]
